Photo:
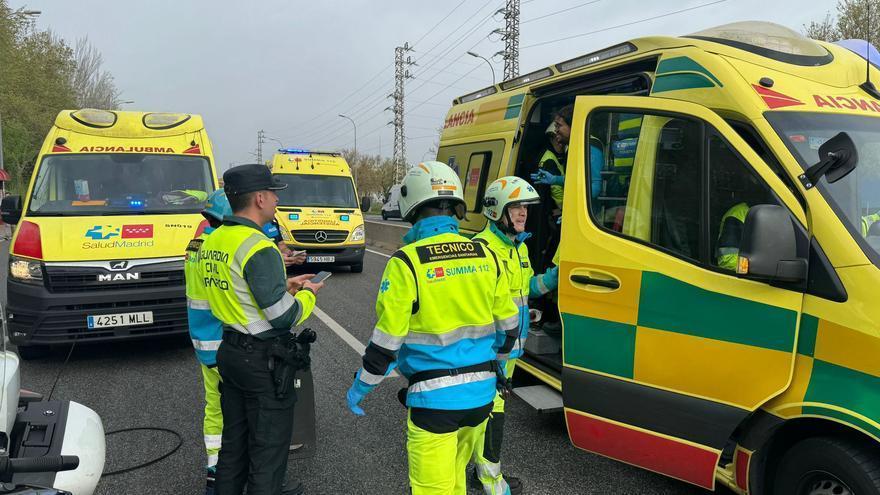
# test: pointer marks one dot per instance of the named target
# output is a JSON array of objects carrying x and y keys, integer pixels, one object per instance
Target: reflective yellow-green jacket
[{"x": 246, "y": 283}]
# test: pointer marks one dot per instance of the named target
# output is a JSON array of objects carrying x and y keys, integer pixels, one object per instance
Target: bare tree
[
  {"x": 94, "y": 86},
  {"x": 824, "y": 30},
  {"x": 852, "y": 22}
]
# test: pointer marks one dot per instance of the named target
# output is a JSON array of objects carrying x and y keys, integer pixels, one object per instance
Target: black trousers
[{"x": 257, "y": 427}]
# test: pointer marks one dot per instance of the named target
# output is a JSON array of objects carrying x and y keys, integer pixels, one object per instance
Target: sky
[{"x": 291, "y": 67}]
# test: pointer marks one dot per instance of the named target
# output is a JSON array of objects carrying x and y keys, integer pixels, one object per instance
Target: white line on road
[
  {"x": 379, "y": 253},
  {"x": 343, "y": 334}
]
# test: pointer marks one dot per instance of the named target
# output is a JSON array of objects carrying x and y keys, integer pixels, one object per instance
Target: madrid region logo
[{"x": 104, "y": 232}]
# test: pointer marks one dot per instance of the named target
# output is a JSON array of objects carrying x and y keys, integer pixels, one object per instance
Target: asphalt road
[{"x": 157, "y": 383}]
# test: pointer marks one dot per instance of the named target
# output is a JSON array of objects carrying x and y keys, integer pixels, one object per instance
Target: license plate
[
  {"x": 320, "y": 259},
  {"x": 120, "y": 319}
]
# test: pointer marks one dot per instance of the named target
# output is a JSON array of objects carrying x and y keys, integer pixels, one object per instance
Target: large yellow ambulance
[
  {"x": 97, "y": 253},
  {"x": 746, "y": 143},
  {"x": 319, "y": 211}
]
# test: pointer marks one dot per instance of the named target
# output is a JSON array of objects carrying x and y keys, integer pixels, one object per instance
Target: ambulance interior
[{"x": 672, "y": 183}]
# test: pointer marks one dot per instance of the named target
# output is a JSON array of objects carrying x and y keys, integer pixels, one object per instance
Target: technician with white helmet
[
  {"x": 445, "y": 319},
  {"x": 506, "y": 205}
]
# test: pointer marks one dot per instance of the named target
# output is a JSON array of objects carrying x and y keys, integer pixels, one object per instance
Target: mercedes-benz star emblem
[{"x": 321, "y": 236}]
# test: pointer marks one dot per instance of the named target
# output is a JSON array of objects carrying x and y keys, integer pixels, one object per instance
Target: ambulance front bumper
[{"x": 37, "y": 316}]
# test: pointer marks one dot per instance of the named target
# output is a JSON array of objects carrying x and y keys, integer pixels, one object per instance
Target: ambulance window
[
  {"x": 475, "y": 179},
  {"x": 733, "y": 189},
  {"x": 750, "y": 136},
  {"x": 647, "y": 183}
]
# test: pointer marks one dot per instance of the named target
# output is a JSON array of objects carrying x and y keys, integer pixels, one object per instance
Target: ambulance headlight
[
  {"x": 25, "y": 270},
  {"x": 358, "y": 233}
]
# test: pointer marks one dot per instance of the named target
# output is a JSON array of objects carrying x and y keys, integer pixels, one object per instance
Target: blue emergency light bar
[{"x": 294, "y": 151}]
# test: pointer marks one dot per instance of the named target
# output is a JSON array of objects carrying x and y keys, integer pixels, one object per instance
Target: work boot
[
  {"x": 210, "y": 478},
  {"x": 514, "y": 483},
  {"x": 296, "y": 490}
]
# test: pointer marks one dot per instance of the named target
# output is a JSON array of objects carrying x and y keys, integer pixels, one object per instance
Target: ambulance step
[{"x": 541, "y": 397}]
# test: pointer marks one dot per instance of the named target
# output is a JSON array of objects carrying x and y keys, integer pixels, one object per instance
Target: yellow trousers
[
  {"x": 437, "y": 461},
  {"x": 487, "y": 451},
  {"x": 213, "y": 424}
]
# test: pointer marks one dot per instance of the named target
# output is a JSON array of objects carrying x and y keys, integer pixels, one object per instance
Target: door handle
[{"x": 586, "y": 280}]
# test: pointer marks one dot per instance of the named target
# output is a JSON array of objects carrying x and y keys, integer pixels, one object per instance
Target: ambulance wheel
[
  {"x": 31, "y": 352},
  {"x": 357, "y": 268},
  {"x": 384, "y": 215},
  {"x": 829, "y": 465}
]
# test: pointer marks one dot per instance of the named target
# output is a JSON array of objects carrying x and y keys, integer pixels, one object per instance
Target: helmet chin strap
[{"x": 508, "y": 228}]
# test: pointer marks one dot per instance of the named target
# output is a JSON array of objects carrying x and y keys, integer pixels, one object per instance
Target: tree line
[{"x": 40, "y": 75}]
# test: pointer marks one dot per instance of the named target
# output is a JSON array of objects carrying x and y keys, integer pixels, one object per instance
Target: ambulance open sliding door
[{"x": 665, "y": 349}]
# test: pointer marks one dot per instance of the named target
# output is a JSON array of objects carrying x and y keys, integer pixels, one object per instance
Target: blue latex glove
[
  {"x": 545, "y": 177},
  {"x": 359, "y": 390},
  {"x": 551, "y": 278}
]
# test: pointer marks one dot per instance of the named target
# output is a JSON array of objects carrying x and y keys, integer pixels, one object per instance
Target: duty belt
[
  {"x": 422, "y": 376},
  {"x": 239, "y": 339}
]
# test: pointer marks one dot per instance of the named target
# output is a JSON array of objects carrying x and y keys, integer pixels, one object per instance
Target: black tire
[
  {"x": 829, "y": 465},
  {"x": 384, "y": 215},
  {"x": 357, "y": 268},
  {"x": 31, "y": 352}
]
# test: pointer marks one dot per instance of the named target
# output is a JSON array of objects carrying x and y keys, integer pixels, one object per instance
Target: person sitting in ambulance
[{"x": 730, "y": 236}]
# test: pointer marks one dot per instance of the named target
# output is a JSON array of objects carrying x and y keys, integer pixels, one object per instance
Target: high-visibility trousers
[
  {"x": 438, "y": 461},
  {"x": 213, "y": 424},
  {"x": 487, "y": 452}
]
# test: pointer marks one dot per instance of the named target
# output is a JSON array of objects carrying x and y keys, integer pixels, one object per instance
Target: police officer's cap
[{"x": 244, "y": 179}]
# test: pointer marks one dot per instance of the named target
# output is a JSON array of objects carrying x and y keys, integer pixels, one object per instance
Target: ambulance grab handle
[{"x": 583, "y": 279}]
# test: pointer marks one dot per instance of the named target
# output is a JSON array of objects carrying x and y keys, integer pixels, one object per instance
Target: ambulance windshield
[
  {"x": 856, "y": 197},
  {"x": 120, "y": 184},
  {"x": 316, "y": 190}
]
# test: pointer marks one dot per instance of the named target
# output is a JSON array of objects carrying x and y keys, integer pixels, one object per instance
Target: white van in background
[{"x": 391, "y": 209}]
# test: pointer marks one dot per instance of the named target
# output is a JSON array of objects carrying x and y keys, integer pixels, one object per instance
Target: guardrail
[{"x": 385, "y": 236}]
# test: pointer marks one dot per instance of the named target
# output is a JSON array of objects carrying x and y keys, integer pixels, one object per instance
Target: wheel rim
[{"x": 822, "y": 483}]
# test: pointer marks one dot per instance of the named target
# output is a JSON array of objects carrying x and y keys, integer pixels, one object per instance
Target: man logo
[
  {"x": 118, "y": 277},
  {"x": 118, "y": 265},
  {"x": 321, "y": 236}
]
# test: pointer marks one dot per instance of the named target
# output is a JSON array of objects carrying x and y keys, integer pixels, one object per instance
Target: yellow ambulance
[
  {"x": 720, "y": 252},
  {"x": 319, "y": 211},
  {"x": 97, "y": 253}
]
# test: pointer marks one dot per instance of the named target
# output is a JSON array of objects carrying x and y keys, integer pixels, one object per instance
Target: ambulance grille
[
  {"x": 63, "y": 279},
  {"x": 314, "y": 236}
]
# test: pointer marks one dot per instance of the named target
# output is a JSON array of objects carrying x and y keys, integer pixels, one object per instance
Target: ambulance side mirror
[
  {"x": 769, "y": 247},
  {"x": 10, "y": 209},
  {"x": 365, "y": 204}
]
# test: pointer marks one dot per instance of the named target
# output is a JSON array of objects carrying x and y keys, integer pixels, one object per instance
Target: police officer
[
  {"x": 506, "y": 206},
  {"x": 443, "y": 301},
  {"x": 248, "y": 291},
  {"x": 205, "y": 332}
]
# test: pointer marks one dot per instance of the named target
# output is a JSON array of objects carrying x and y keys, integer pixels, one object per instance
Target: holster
[{"x": 287, "y": 356}]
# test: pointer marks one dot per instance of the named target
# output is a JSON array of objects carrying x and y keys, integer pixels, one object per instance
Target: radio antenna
[{"x": 868, "y": 86}]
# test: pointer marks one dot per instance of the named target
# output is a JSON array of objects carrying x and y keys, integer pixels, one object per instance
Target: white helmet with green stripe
[
  {"x": 430, "y": 182},
  {"x": 507, "y": 191}
]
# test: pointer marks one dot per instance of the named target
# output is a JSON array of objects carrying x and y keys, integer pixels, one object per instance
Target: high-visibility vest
[
  {"x": 730, "y": 236},
  {"x": 221, "y": 264},
  {"x": 556, "y": 192},
  {"x": 205, "y": 330},
  {"x": 514, "y": 261},
  {"x": 867, "y": 221},
  {"x": 456, "y": 304}
]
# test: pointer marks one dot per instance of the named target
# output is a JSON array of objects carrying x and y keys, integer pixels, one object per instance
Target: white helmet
[
  {"x": 427, "y": 182},
  {"x": 505, "y": 192}
]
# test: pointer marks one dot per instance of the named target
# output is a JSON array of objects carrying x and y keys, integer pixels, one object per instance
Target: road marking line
[
  {"x": 379, "y": 253},
  {"x": 343, "y": 334}
]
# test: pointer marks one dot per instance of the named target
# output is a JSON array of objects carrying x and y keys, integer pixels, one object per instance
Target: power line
[
  {"x": 560, "y": 11},
  {"x": 625, "y": 24},
  {"x": 438, "y": 23}
]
